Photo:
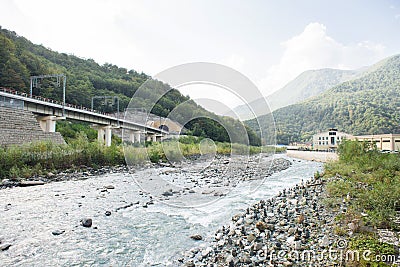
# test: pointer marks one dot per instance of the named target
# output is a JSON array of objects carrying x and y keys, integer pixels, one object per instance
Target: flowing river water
[{"x": 132, "y": 235}]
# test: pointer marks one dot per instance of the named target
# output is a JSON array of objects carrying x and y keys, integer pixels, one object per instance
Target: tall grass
[
  {"x": 38, "y": 158},
  {"x": 369, "y": 182},
  {"x": 371, "y": 178}
]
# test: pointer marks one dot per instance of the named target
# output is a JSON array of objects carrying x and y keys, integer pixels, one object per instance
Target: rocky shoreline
[
  {"x": 201, "y": 183},
  {"x": 292, "y": 229},
  {"x": 71, "y": 174},
  {"x": 85, "y": 172}
]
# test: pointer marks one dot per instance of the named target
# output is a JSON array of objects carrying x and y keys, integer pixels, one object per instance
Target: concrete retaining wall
[
  {"x": 19, "y": 126},
  {"x": 313, "y": 155}
]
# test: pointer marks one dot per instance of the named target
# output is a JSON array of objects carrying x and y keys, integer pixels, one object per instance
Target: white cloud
[{"x": 315, "y": 49}]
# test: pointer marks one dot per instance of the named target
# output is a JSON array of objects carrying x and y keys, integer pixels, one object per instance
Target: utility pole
[
  {"x": 107, "y": 97},
  {"x": 35, "y": 79}
]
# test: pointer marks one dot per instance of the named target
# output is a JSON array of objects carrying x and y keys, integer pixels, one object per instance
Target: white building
[
  {"x": 389, "y": 142},
  {"x": 329, "y": 140}
]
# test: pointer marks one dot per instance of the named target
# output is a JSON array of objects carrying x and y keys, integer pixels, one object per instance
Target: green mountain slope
[
  {"x": 308, "y": 84},
  {"x": 367, "y": 105},
  {"x": 20, "y": 59}
]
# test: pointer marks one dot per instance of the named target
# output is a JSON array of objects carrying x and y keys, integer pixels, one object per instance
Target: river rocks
[
  {"x": 353, "y": 226},
  {"x": 58, "y": 232},
  {"x": 7, "y": 207},
  {"x": 324, "y": 242},
  {"x": 6, "y": 182},
  {"x": 196, "y": 237},
  {"x": 292, "y": 222},
  {"x": 31, "y": 183},
  {"x": 300, "y": 219},
  {"x": 218, "y": 177},
  {"x": 109, "y": 187},
  {"x": 251, "y": 237},
  {"x": 4, "y": 247},
  {"x": 168, "y": 193},
  {"x": 86, "y": 222},
  {"x": 190, "y": 263},
  {"x": 261, "y": 226},
  {"x": 218, "y": 236},
  {"x": 207, "y": 251},
  {"x": 126, "y": 206},
  {"x": 78, "y": 173}
]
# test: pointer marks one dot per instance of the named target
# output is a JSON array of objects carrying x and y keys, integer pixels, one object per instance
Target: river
[{"x": 132, "y": 235}]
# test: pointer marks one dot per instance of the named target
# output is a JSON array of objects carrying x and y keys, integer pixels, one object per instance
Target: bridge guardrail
[{"x": 48, "y": 100}]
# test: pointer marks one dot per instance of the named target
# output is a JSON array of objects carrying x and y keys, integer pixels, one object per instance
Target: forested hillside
[
  {"x": 308, "y": 84},
  {"x": 368, "y": 105},
  {"x": 20, "y": 59}
]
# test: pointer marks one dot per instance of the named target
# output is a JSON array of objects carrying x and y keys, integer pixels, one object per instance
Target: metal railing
[{"x": 52, "y": 101}]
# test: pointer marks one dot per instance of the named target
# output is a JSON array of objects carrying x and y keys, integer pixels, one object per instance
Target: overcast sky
[{"x": 271, "y": 42}]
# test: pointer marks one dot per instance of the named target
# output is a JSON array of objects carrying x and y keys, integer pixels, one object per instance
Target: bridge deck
[{"x": 46, "y": 107}]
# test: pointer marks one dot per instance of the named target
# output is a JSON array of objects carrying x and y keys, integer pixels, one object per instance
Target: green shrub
[
  {"x": 370, "y": 243},
  {"x": 371, "y": 178},
  {"x": 14, "y": 172},
  {"x": 135, "y": 155}
]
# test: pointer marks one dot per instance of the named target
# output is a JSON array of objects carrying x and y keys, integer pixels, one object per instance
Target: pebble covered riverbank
[
  {"x": 67, "y": 175},
  {"x": 291, "y": 229}
]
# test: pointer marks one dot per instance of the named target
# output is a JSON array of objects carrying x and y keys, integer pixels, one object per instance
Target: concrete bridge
[{"x": 48, "y": 111}]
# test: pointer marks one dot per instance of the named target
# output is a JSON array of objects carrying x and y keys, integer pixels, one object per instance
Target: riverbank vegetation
[
  {"x": 81, "y": 151},
  {"x": 367, "y": 182},
  {"x": 38, "y": 158}
]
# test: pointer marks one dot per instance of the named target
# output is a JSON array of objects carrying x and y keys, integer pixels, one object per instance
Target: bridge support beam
[
  {"x": 134, "y": 136},
  {"x": 108, "y": 135},
  {"x": 151, "y": 137},
  {"x": 100, "y": 134},
  {"x": 104, "y": 134},
  {"x": 48, "y": 123},
  {"x": 137, "y": 137}
]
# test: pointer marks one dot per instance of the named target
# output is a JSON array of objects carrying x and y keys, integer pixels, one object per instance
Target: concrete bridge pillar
[
  {"x": 108, "y": 135},
  {"x": 134, "y": 136},
  {"x": 104, "y": 134},
  {"x": 47, "y": 123},
  {"x": 392, "y": 143},
  {"x": 137, "y": 137},
  {"x": 100, "y": 134},
  {"x": 151, "y": 137}
]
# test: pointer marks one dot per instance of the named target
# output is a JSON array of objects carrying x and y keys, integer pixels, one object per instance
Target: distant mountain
[
  {"x": 308, "y": 84},
  {"x": 20, "y": 59},
  {"x": 367, "y": 105}
]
